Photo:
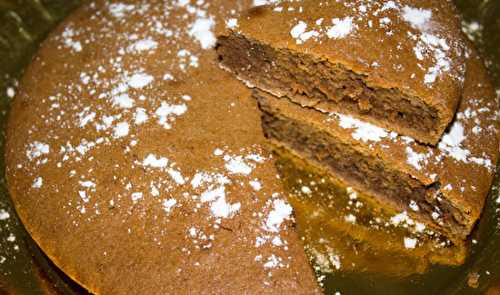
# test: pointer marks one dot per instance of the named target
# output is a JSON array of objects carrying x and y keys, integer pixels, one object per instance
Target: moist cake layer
[
  {"x": 362, "y": 171},
  {"x": 444, "y": 186},
  {"x": 139, "y": 166},
  {"x": 320, "y": 84},
  {"x": 397, "y": 64}
]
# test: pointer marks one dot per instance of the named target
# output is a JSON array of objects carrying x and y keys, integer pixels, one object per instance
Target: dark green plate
[{"x": 25, "y": 270}]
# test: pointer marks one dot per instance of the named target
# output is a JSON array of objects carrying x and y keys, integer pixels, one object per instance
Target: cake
[
  {"x": 443, "y": 187},
  {"x": 140, "y": 167},
  {"x": 397, "y": 64}
]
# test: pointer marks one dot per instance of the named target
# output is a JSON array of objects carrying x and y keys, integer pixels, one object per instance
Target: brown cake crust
[
  {"x": 410, "y": 52},
  {"x": 459, "y": 171},
  {"x": 138, "y": 165}
]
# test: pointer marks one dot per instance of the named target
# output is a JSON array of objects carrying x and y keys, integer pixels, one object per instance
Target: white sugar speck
[
  {"x": 166, "y": 111},
  {"x": 451, "y": 142},
  {"x": 37, "y": 149},
  {"x": 418, "y": 18},
  {"x": 120, "y": 10},
  {"x": 389, "y": 5},
  {"x": 256, "y": 185},
  {"x": 168, "y": 204},
  {"x": 144, "y": 45},
  {"x": 299, "y": 33},
  {"x": 152, "y": 161},
  {"x": 364, "y": 131},
  {"x": 4, "y": 215},
  {"x": 11, "y": 238},
  {"x": 123, "y": 101},
  {"x": 176, "y": 176},
  {"x": 86, "y": 119},
  {"x": 410, "y": 243},
  {"x": 83, "y": 195},
  {"x": 350, "y": 218},
  {"x": 305, "y": 190},
  {"x": 414, "y": 206},
  {"x": 88, "y": 184},
  {"x": 136, "y": 196},
  {"x": 401, "y": 218},
  {"x": 341, "y": 28},
  {"x": 263, "y": 2},
  {"x": 419, "y": 227},
  {"x": 222, "y": 209},
  {"x": 168, "y": 77},
  {"x": 121, "y": 129},
  {"x": 140, "y": 80},
  {"x": 212, "y": 194},
  {"x": 280, "y": 213},
  {"x": 10, "y": 92},
  {"x": 413, "y": 158},
  {"x": 140, "y": 116},
  {"x": 37, "y": 183},
  {"x": 272, "y": 262},
  {"x": 201, "y": 30},
  {"x": 237, "y": 165},
  {"x": 232, "y": 23},
  {"x": 298, "y": 29}
]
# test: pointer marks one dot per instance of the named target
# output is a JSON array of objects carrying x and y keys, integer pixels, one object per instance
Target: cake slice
[
  {"x": 443, "y": 187},
  {"x": 396, "y": 64}
]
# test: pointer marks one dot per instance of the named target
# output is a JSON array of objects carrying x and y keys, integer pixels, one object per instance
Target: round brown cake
[{"x": 138, "y": 165}]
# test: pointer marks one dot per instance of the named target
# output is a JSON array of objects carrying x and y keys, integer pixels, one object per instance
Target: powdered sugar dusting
[
  {"x": 437, "y": 52},
  {"x": 140, "y": 80},
  {"x": 166, "y": 113},
  {"x": 281, "y": 212},
  {"x": 410, "y": 243},
  {"x": 364, "y": 131},
  {"x": 4, "y": 215},
  {"x": 300, "y": 35},
  {"x": 417, "y": 17},
  {"x": 201, "y": 30},
  {"x": 37, "y": 149},
  {"x": 341, "y": 28}
]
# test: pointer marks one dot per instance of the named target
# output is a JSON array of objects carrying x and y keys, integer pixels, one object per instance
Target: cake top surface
[
  {"x": 414, "y": 46},
  {"x": 138, "y": 165},
  {"x": 463, "y": 162}
]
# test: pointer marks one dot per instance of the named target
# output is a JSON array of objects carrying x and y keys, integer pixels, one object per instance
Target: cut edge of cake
[
  {"x": 400, "y": 65},
  {"x": 454, "y": 177},
  {"x": 352, "y": 165},
  {"x": 274, "y": 70}
]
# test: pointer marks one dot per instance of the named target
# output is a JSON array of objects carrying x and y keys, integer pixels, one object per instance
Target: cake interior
[
  {"x": 312, "y": 81},
  {"x": 367, "y": 173}
]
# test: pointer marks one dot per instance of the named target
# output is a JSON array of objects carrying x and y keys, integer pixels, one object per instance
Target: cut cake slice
[
  {"x": 443, "y": 187},
  {"x": 397, "y": 64}
]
